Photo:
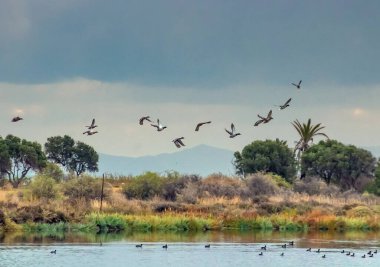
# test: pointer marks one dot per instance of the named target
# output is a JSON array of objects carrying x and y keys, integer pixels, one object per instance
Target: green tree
[
  {"x": 338, "y": 163},
  {"x": 73, "y": 156},
  {"x": 18, "y": 157},
  {"x": 307, "y": 132},
  {"x": 84, "y": 159},
  {"x": 266, "y": 156},
  {"x": 374, "y": 187},
  {"x": 60, "y": 150}
]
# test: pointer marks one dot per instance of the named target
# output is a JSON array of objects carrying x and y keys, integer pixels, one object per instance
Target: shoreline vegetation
[{"x": 184, "y": 203}]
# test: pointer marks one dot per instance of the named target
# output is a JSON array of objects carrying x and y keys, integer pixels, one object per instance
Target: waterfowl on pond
[
  {"x": 232, "y": 133},
  {"x": 319, "y": 250},
  {"x": 139, "y": 245},
  {"x": 165, "y": 246},
  {"x": 298, "y": 85},
  {"x": 324, "y": 256},
  {"x": 142, "y": 119},
  {"x": 16, "y": 119},
  {"x": 200, "y": 124},
  {"x": 53, "y": 251},
  {"x": 363, "y": 256},
  {"x": 282, "y": 254},
  {"x": 159, "y": 126},
  {"x": 261, "y": 254},
  {"x": 178, "y": 142},
  {"x": 207, "y": 246},
  {"x": 353, "y": 254},
  {"x": 309, "y": 249},
  {"x": 264, "y": 247},
  {"x": 370, "y": 256},
  {"x": 342, "y": 251},
  {"x": 291, "y": 243},
  {"x": 283, "y": 246}
]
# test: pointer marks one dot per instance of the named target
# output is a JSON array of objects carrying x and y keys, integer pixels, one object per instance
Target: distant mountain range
[{"x": 202, "y": 160}]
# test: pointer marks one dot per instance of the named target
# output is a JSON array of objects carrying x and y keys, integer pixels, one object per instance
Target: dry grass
[{"x": 284, "y": 210}]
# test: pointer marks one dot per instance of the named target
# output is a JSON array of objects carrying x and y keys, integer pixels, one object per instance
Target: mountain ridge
[{"x": 202, "y": 160}]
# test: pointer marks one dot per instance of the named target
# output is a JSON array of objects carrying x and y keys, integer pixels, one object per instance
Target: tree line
[{"x": 18, "y": 157}]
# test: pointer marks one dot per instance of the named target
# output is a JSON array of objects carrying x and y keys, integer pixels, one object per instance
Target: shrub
[
  {"x": 144, "y": 186},
  {"x": 44, "y": 187},
  {"x": 314, "y": 186},
  {"x": 189, "y": 194},
  {"x": 261, "y": 184},
  {"x": 218, "y": 185},
  {"x": 52, "y": 170},
  {"x": 172, "y": 185},
  {"x": 85, "y": 187}
]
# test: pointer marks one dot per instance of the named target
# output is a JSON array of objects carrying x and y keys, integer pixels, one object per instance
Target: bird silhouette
[
  {"x": 298, "y": 85},
  {"x": 232, "y": 133},
  {"x": 159, "y": 126},
  {"x": 92, "y": 126},
  {"x": 16, "y": 119},
  {"x": 285, "y": 105},
  {"x": 90, "y": 132},
  {"x": 178, "y": 142},
  {"x": 200, "y": 124},
  {"x": 165, "y": 246},
  {"x": 142, "y": 119},
  {"x": 266, "y": 119}
]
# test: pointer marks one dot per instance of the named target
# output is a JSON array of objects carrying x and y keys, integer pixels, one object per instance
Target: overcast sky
[{"x": 63, "y": 63}]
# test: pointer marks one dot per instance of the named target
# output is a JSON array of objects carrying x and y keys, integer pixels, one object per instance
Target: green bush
[
  {"x": 144, "y": 186},
  {"x": 44, "y": 187},
  {"x": 52, "y": 170}
]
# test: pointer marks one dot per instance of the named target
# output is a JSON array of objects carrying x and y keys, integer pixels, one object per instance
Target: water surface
[{"x": 230, "y": 248}]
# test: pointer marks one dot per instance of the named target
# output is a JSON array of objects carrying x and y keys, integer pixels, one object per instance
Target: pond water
[{"x": 230, "y": 248}]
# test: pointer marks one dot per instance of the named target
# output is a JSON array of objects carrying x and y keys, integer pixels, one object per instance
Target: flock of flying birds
[{"x": 178, "y": 141}]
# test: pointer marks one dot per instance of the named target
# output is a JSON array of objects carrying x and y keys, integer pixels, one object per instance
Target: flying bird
[
  {"x": 298, "y": 85},
  {"x": 232, "y": 133},
  {"x": 159, "y": 126},
  {"x": 90, "y": 132},
  {"x": 16, "y": 119},
  {"x": 200, "y": 124},
  {"x": 285, "y": 105},
  {"x": 92, "y": 126},
  {"x": 266, "y": 119},
  {"x": 146, "y": 118},
  {"x": 178, "y": 142}
]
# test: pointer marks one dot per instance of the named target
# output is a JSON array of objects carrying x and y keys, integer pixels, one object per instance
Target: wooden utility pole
[{"x": 101, "y": 196}]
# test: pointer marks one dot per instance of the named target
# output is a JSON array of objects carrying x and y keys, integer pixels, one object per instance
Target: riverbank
[{"x": 212, "y": 204}]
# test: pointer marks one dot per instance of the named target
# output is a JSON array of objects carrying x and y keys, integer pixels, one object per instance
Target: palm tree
[{"x": 307, "y": 132}]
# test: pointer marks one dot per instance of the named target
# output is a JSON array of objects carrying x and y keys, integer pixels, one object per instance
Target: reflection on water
[
  {"x": 304, "y": 239},
  {"x": 229, "y": 248}
]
